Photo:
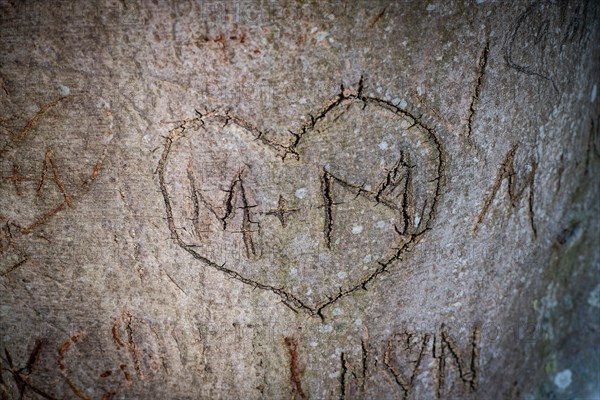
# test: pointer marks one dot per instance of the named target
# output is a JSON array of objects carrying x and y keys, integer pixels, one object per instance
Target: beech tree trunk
[{"x": 299, "y": 200}]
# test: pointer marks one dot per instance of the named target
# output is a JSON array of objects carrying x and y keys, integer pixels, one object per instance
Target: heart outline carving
[{"x": 289, "y": 299}]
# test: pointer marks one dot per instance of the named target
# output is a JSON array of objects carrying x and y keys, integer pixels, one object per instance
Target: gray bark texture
[{"x": 305, "y": 200}]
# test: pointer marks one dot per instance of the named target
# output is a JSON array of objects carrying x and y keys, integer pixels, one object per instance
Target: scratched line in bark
[
  {"x": 507, "y": 172},
  {"x": 395, "y": 191},
  {"x": 143, "y": 343},
  {"x": 415, "y": 363},
  {"x": 528, "y": 46},
  {"x": 62, "y": 351},
  {"x": 406, "y": 383},
  {"x": 481, "y": 66},
  {"x": 468, "y": 371},
  {"x": 295, "y": 369}
]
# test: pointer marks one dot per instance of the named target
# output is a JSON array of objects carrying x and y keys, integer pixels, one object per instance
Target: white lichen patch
[
  {"x": 594, "y": 297},
  {"x": 65, "y": 90},
  {"x": 357, "y": 229},
  {"x": 301, "y": 193},
  {"x": 417, "y": 220},
  {"x": 321, "y": 35},
  {"x": 563, "y": 379}
]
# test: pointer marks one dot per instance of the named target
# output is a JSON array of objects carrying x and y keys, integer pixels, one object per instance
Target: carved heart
[{"x": 314, "y": 219}]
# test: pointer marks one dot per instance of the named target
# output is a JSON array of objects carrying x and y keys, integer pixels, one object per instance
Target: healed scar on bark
[
  {"x": 295, "y": 369},
  {"x": 62, "y": 351}
]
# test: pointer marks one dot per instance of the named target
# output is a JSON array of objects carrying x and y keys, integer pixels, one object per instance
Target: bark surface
[{"x": 299, "y": 200}]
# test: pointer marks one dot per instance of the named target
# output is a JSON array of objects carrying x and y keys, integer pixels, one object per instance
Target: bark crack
[
  {"x": 344, "y": 370},
  {"x": 326, "y": 192}
]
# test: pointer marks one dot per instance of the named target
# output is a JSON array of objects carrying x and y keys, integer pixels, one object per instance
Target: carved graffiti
[{"x": 311, "y": 219}]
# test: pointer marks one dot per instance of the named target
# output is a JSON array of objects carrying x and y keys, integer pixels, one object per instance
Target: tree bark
[{"x": 299, "y": 200}]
